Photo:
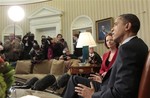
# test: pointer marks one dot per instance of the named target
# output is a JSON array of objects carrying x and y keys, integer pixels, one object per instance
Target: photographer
[
  {"x": 36, "y": 54},
  {"x": 28, "y": 42},
  {"x": 45, "y": 45},
  {"x": 12, "y": 49},
  {"x": 66, "y": 55}
]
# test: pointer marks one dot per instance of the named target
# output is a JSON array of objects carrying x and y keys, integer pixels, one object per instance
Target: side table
[{"x": 84, "y": 69}]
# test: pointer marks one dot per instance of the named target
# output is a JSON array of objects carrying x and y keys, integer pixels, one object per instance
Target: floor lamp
[
  {"x": 85, "y": 41},
  {"x": 16, "y": 14}
]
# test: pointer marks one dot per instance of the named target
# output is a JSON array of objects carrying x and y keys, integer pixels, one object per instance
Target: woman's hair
[
  {"x": 59, "y": 35},
  {"x": 109, "y": 34},
  {"x": 76, "y": 35}
]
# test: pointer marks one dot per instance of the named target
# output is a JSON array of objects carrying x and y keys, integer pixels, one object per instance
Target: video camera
[{"x": 29, "y": 36}]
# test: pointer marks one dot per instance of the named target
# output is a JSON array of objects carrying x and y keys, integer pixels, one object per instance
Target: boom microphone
[
  {"x": 44, "y": 83},
  {"x": 28, "y": 84},
  {"x": 63, "y": 81}
]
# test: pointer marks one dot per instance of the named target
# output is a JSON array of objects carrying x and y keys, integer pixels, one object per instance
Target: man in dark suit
[{"x": 125, "y": 74}]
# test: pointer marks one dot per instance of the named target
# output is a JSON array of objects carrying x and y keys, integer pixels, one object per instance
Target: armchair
[{"x": 144, "y": 87}]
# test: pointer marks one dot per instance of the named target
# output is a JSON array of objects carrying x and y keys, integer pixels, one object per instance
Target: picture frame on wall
[{"x": 102, "y": 28}]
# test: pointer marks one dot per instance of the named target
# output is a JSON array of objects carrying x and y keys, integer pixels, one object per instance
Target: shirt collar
[
  {"x": 127, "y": 40},
  {"x": 91, "y": 54}
]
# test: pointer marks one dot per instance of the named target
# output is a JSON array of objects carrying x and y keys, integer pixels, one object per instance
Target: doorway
[
  {"x": 80, "y": 24},
  {"x": 45, "y": 31}
]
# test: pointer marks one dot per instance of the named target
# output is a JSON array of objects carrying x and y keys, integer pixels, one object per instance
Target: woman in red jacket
[{"x": 110, "y": 56}]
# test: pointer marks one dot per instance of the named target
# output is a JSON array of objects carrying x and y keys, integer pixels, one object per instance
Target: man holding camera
[
  {"x": 28, "y": 43},
  {"x": 66, "y": 55}
]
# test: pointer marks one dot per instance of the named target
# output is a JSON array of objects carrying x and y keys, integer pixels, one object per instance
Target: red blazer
[{"x": 105, "y": 68}]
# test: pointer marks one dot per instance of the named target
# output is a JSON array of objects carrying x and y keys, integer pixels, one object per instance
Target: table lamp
[{"x": 85, "y": 41}]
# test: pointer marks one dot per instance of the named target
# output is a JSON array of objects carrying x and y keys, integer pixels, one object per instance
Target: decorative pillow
[
  {"x": 42, "y": 67},
  {"x": 75, "y": 62},
  {"x": 57, "y": 67},
  {"x": 67, "y": 65},
  {"x": 23, "y": 67}
]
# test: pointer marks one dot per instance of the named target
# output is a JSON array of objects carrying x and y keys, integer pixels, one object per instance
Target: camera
[
  {"x": 44, "y": 40},
  {"x": 29, "y": 37},
  {"x": 64, "y": 55}
]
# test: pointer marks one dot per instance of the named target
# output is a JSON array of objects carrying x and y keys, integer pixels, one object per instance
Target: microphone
[
  {"x": 44, "y": 83},
  {"x": 61, "y": 82},
  {"x": 28, "y": 84}
]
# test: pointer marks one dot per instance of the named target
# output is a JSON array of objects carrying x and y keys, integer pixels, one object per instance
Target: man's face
[
  {"x": 103, "y": 28},
  {"x": 75, "y": 38},
  {"x": 43, "y": 37},
  {"x": 59, "y": 37},
  {"x": 91, "y": 50},
  {"x": 118, "y": 30},
  {"x": 11, "y": 36},
  {"x": 67, "y": 52}
]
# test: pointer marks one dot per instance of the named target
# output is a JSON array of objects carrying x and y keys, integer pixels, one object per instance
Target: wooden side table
[{"x": 84, "y": 69}]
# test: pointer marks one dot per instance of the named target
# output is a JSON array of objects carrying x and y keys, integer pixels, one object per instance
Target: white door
[{"x": 45, "y": 31}]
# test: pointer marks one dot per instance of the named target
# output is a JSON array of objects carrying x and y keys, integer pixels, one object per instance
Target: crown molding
[{"x": 18, "y": 2}]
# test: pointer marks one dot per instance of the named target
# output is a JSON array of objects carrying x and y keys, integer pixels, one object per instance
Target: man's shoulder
[
  {"x": 135, "y": 45},
  {"x": 135, "y": 42}
]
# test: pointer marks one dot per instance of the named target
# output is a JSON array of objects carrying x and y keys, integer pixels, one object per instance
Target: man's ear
[{"x": 127, "y": 26}]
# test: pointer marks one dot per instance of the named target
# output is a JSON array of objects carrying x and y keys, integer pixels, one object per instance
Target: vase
[{"x": 11, "y": 93}]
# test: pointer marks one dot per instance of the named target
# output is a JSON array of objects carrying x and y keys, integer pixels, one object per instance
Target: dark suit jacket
[
  {"x": 126, "y": 71},
  {"x": 96, "y": 59}
]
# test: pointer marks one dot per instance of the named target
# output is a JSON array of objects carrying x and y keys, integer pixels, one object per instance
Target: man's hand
[
  {"x": 68, "y": 57},
  {"x": 103, "y": 74},
  {"x": 95, "y": 77},
  {"x": 84, "y": 91},
  {"x": 61, "y": 57}
]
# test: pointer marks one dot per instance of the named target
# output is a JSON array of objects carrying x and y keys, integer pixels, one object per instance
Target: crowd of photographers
[{"x": 27, "y": 48}]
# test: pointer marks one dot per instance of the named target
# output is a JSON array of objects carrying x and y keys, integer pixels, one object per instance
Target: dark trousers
[{"x": 73, "y": 81}]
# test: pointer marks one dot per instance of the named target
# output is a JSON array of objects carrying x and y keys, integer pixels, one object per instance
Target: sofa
[{"x": 53, "y": 66}]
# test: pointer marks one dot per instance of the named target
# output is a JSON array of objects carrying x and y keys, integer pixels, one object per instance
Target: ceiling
[{"x": 15, "y": 2}]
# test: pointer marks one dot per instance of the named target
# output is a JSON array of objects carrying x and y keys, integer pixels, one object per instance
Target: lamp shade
[{"x": 85, "y": 39}]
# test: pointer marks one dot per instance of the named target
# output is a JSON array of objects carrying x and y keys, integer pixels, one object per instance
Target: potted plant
[{"x": 6, "y": 77}]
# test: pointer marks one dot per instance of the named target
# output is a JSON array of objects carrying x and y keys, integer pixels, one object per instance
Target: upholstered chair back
[{"x": 144, "y": 89}]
